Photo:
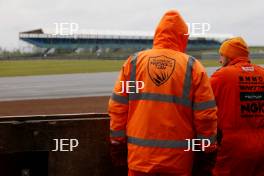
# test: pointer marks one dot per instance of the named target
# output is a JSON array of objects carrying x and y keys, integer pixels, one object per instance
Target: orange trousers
[{"x": 241, "y": 154}]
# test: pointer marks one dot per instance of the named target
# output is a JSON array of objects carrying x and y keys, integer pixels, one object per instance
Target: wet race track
[{"x": 60, "y": 86}]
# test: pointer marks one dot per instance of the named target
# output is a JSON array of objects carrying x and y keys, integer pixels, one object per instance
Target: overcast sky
[{"x": 238, "y": 17}]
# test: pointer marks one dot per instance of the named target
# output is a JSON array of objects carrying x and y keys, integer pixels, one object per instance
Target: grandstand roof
[
  {"x": 112, "y": 39},
  {"x": 38, "y": 33}
]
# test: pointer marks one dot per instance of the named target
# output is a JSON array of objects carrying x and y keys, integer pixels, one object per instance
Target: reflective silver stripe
[
  {"x": 188, "y": 78},
  {"x": 158, "y": 143},
  {"x": 211, "y": 138},
  {"x": 133, "y": 64},
  {"x": 160, "y": 97},
  {"x": 119, "y": 98},
  {"x": 117, "y": 133},
  {"x": 204, "y": 105}
]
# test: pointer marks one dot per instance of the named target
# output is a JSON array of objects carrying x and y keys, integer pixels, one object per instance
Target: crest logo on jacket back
[{"x": 160, "y": 69}]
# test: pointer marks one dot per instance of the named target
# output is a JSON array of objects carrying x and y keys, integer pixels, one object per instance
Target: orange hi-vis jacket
[
  {"x": 176, "y": 103},
  {"x": 239, "y": 94}
]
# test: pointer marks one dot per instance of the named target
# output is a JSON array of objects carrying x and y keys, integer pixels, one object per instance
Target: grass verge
[{"x": 48, "y": 67}]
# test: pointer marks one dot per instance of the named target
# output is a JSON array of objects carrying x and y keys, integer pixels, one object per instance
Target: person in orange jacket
[
  {"x": 175, "y": 102},
  {"x": 239, "y": 92}
]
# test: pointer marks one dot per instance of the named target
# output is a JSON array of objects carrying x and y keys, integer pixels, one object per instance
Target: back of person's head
[
  {"x": 234, "y": 48},
  {"x": 171, "y": 32}
]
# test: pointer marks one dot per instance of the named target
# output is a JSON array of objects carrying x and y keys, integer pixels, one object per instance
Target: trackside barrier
[
  {"x": 28, "y": 145},
  {"x": 215, "y": 55}
]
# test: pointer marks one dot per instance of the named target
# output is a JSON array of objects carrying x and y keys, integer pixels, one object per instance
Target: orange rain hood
[{"x": 172, "y": 32}]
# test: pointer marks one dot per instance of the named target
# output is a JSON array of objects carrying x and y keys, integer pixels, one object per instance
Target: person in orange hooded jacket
[
  {"x": 176, "y": 104},
  {"x": 239, "y": 92}
]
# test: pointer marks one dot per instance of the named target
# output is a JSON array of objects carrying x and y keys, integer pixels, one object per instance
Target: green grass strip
[{"x": 48, "y": 67}]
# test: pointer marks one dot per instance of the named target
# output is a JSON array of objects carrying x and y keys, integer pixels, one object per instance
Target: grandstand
[{"x": 118, "y": 40}]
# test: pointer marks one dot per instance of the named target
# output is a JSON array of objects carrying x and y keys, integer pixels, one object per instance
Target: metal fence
[{"x": 215, "y": 55}]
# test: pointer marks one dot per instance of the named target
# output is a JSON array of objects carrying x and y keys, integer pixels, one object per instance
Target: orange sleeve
[
  {"x": 216, "y": 84},
  {"x": 204, "y": 107},
  {"x": 118, "y": 105}
]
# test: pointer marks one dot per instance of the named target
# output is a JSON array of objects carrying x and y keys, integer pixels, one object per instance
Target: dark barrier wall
[{"x": 26, "y": 145}]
